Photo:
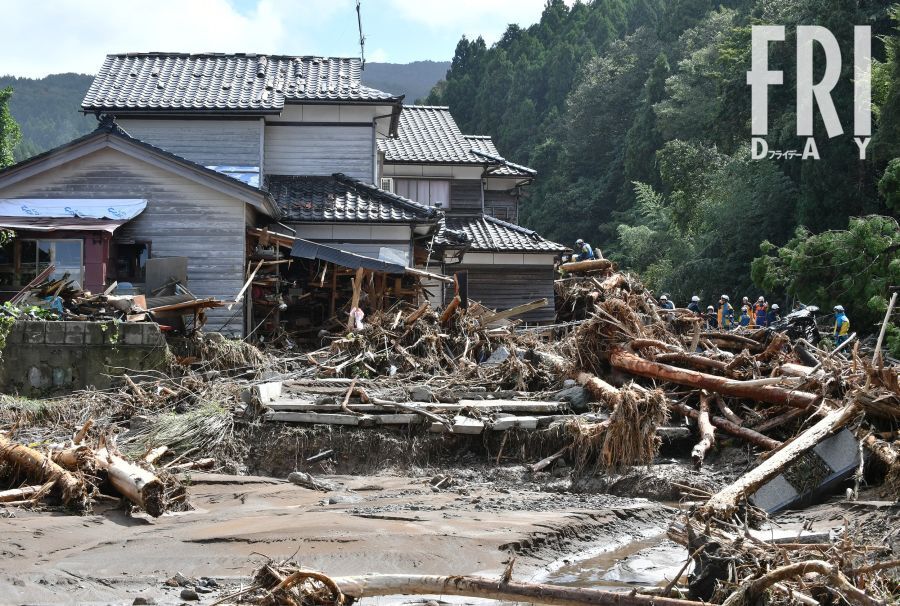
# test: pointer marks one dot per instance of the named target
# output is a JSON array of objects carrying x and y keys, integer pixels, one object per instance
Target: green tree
[
  {"x": 9, "y": 130},
  {"x": 852, "y": 267}
]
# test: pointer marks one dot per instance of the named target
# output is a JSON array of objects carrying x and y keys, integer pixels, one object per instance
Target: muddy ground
[{"x": 559, "y": 531}]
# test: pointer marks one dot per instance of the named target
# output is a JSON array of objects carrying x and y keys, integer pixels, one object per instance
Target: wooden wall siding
[
  {"x": 502, "y": 205},
  {"x": 206, "y": 142},
  {"x": 183, "y": 218},
  {"x": 465, "y": 196},
  {"x": 320, "y": 150},
  {"x": 504, "y": 286}
]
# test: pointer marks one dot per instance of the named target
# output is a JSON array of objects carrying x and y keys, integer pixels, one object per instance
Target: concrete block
[
  {"x": 267, "y": 392},
  {"x": 151, "y": 334},
  {"x": 74, "y": 333},
  {"x": 16, "y": 333},
  {"x": 55, "y": 333},
  {"x": 34, "y": 333},
  {"x": 94, "y": 334},
  {"x": 775, "y": 495},
  {"x": 131, "y": 334}
]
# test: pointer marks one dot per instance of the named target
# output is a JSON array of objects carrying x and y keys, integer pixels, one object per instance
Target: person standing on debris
[
  {"x": 711, "y": 321},
  {"x": 664, "y": 302},
  {"x": 841, "y": 325},
  {"x": 774, "y": 314},
  {"x": 745, "y": 316},
  {"x": 725, "y": 315},
  {"x": 584, "y": 250},
  {"x": 694, "y": 305},
  {"x": 760, "y": 310}
]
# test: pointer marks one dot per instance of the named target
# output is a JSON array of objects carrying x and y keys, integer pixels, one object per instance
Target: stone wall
[{"x": 47, "y": 357}]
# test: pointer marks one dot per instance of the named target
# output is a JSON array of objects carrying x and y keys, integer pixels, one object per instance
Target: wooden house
[{"x": 433, "y": 162}]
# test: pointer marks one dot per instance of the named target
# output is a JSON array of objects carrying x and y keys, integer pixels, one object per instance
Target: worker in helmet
[
  {"x": 584, "y": 250},
  {"x": 745, "y": 317},
  {"x": 774, "y": 314},
  {"x": 694, "y": 305},
  {"x": 725, "y": 314},
  {"x": 665, "y": 303},
  {"x": 711, "y": 319},
  {"x": 841, "y": 325},
  {"x": 760, "y": 310}
]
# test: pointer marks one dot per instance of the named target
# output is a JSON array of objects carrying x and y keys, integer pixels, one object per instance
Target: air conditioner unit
[{"x": 387, "y": 184}]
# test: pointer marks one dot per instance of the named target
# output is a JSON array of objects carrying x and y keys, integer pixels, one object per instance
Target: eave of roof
[{"x": 487, "y": 234}]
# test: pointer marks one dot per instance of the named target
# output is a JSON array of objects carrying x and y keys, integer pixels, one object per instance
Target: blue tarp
[{"x": 304, "y": 249}]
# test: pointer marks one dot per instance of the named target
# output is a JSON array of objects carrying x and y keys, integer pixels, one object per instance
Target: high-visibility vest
[{"x": 841, "y": 325}]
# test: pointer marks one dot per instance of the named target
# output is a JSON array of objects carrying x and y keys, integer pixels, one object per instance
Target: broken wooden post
[
  {"x": 707, "y": 432},
  {"x": 135, "y": 483}
]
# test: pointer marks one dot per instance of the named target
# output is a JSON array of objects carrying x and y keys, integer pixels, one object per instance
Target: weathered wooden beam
[
  {"x": 513, "y": 311},
  {"x": 373, "y": 585},
  {"x": 589, "y": 265},
  {"x": 634, "y": 364}
]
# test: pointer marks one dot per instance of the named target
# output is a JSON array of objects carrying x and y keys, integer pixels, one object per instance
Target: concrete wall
[{"x": 44, "y": 357}]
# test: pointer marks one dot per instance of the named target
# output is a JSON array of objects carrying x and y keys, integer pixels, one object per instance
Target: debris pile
[{"x": 62, "y": 299}]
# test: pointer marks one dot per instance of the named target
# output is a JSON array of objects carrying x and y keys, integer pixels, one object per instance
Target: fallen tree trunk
[
  {"x": 707, "y": 433},
  {"x": 634, "y": 364},
  {"x": 135, "y": 483},
  {"x": 723, "y": 503},
  {"x": 43, "y": 469},
  {"x": 727, "y": 426},
  {"x": 589, "y": 265},
  {"x": 684, "y": 359},
  {"x": 599, "y": 389},
  {"x": 479, "y": 587},
  {"x": 19, "y": 494}
]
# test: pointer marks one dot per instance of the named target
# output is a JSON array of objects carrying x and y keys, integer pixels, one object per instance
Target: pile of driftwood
[{"x": 74, "y": 474}]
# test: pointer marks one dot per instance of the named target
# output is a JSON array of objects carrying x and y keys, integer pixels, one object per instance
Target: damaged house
[
  {"x": 432, "y": 162},
  {"x": 199, "y": 158}
]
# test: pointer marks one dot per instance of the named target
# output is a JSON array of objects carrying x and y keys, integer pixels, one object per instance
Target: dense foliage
[
  {"x": 636, "y": 113},
  {"x": 9, "y": 130},
  {"x": 47, "y": 110}
]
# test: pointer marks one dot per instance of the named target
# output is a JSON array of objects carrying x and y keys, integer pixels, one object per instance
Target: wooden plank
[
  {"x": 513, "y": 312},
  {"x": 320, "y": 418},
  {"x": 461, "y": 425},
  {"x": 307, "y": 405},
  {"x": 519, "y": 422}
]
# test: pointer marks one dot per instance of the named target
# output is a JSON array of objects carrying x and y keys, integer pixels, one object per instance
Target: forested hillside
[
  {"x": 636, "y": 113},
  {"x": 47, "y": 109}
]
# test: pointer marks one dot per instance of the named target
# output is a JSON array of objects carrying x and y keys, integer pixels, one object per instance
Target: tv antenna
[{"x": 362, "y": 39}]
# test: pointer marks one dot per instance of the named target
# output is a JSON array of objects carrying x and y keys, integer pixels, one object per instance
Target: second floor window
[{"x": 431, "y": 192}]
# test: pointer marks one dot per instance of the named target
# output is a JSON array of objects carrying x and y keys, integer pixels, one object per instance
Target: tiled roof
[
  {"x": 429, "y": 134},
  {"x": 484, "y": 233},
  {"x": 340, "y": 198},
  {"x": 483, "y": 146},
  {"x": 224, "y": 82}
]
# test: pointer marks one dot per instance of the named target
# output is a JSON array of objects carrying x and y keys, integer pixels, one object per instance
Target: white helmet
[
  {"x": 724, "y": 297},
  {"x": 664, "y": 298},
  {"x": 710, "y": 308},
  {"x": 695, "y": 299},
  {"x": 838, "y": 308},
  {"x": 761, "y": 299},
  {"x": 775, "y": 306}
]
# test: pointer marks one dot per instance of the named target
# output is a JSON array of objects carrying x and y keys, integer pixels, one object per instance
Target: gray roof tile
[
  {"x": 429, "y": 134},
  {"x": 483, "y": 233},
  {"x": 340, "y": 198},
  {"x": 224, "y": 82}
]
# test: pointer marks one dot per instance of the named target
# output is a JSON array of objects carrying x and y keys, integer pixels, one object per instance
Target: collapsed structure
[{"x": 193, "y": 152}]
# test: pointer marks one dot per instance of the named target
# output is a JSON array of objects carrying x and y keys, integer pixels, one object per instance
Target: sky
[{"x": 54, "y": 36}]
